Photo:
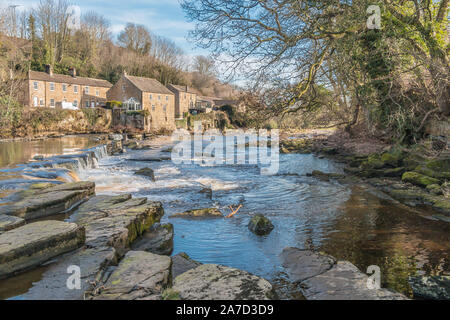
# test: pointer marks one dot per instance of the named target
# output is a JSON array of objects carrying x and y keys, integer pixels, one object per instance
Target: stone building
[
  {"x": 145, "y": 94},
  {"x": 185, "y": 99},
  {"x": 46, "y": 89}
]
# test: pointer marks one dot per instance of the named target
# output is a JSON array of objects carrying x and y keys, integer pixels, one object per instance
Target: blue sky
[{"x": 162, "y": 17}]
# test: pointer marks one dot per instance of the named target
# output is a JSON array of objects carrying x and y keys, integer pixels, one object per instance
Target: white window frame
[
  {"x": 36, "y": 85},
  {"x": 64, "y": 87},
  {"x": 97, "y": 93},
  {"x": 52, "y": 86},
  {"x": 86, "y": 89},
  {"x": 75, "y": 103},
  {"x": 52, "y": 103},
  {"x": 75, "y": 89}
]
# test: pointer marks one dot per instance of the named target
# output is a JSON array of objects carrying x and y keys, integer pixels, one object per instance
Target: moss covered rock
[
  {"x": 199, "y": 214},
  {"x": 419, "y": 179},
  {"x": 260, "y": 225},
  {"x": 146, "y": 172}
]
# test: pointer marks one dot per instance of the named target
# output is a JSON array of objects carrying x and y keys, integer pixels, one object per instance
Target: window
[
  {"x": 41, "y": 102},
  {"x": 167, "y": 98},
  {"x": 151, "y": 97},
  {"x": 185, "y": 96},
  {"x": 75, "y": 103},
  {"x": 153, "y": 107},
  {"x": 97, "y": 93},
  {"x": 86, "y": 90},
  {"x": 123, "y": 88},
  {"x": 52, "y": 103},
  {"x": 87, "y": 104},
  {"x": 52, "y": 86},
  {"x": 36, "y": 85},
  {"x": 132, "y": 105},
  {"x": 159, "y": 97},
  {"x": 75, "y": 89},
  {"x": 35, "y": 101},
  {"x": 165, "y": 107},
  {"x": 64, "y": 87}
]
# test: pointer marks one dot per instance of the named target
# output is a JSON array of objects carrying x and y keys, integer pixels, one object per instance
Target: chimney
[
  {"x": 49, "y": 69},
  {"x": 73, "y": 72},
  {"x": 187, "y": 88}
]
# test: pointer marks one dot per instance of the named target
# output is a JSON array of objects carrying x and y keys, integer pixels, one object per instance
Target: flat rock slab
[
  {"x": 322, "y": 278},
  {"x": 49, "y": 201},
  {"x": 10, "y": 222},
  {"x": 116, "y": 221},
  {"x": 35, "y": 243},
  {"x": 157, "y": 240},
  {"x": 53, "y": 286},
  {"x": 305, "y": 264},
  {"x": 182, "y": 263},
  {"x": 215, "y": 282},
  {"x": 208, "y": 213},
  {"x": 151, "y": 159},
  {"x": 140, "y": 275}
]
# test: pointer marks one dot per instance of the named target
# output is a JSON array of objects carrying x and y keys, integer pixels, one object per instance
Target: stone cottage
[
  {"x": 145, "y": 94},
  {"x": 46, "y": 89}
]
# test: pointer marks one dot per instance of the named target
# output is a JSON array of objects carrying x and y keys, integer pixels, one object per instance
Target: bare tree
[
  {"x": 205, "y": 66},
  {"x": 135, "y": 37}
]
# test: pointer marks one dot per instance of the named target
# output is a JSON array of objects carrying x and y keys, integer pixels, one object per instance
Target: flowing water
[{"x": 350, "y": 222}]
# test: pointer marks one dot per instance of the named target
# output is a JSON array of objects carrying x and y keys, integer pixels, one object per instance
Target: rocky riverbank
[
  {"x": 121, "y": 250},
  {"x": 416, "y": 176}
]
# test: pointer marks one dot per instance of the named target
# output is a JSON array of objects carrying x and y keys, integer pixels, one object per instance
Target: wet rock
[
  {"x": 38, "y": 157},
  {"x": 115, "y": 147},
  {"x": 10, "y": 222},
  {"x": 322, "y": 278},
  {"x": 49, "y": 201},
  {"x": 419, "y": 179},
  {"x": 33, "y": 244},
  {"x": 93, "y": 263},
  {"x": 208, "y": 192},
  {"x": 260, "y": 225},
  {"x": 199, "y": 214},
  {"x": 326, "y": 176},
  {"x": 146, "y": 172},
  {"x": 431, "y": 287},
  {"x": 182, "y": 263},
  {"x": 158, "y": 240},
  {"x": 214, "y": 282},
  {"x": 140, "y": 275},
  {"x": 305, "y": 264},
  {"x": 344, "y": 282}
]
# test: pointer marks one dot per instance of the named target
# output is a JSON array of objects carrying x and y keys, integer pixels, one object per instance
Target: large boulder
[
  {"x": 35, "y": 243},
  {"x": 215, "y": 282},
  {"x": 140, "y": 275},
  {"x": 158, "y": 240},
  {"x": 431, "y": 287},
  {"x": 146, "y": 172},
  {"x": 199, "y": 213},
  {"x": 50, "y": 201},
  {"x": 260, "y": 225},
  {"x": 322, "y": 278}
]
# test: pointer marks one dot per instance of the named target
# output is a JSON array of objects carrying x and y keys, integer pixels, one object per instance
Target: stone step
[
  {"x": 139, "y": 276},
  {"x": 33, "y": 244},
  {"x": 49, "y": 201}
]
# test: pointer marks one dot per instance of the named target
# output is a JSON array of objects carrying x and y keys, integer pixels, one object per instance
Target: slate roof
[
  {"x": 149, "y": 85},
  {"x": 183, "y": 89},
  {"x": 61, "y": 78}
]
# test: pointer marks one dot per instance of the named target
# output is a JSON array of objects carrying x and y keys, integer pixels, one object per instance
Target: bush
[{"x": 113, "y": 104}]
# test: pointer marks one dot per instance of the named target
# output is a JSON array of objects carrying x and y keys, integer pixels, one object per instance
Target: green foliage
[{"x": 113, "y": 104}]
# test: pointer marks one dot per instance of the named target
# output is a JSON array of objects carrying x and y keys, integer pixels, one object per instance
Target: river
[{"x": 349, "y": 221}]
